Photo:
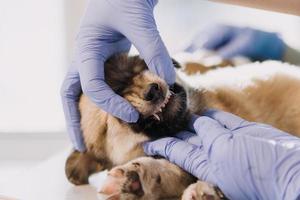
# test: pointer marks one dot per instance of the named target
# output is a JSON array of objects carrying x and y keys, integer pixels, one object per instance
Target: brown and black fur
[
  {"x": 111, "y": 142},
  {"x": 119, "y": 73},
  {"x": 274, "y": 101},
  {"x": 170, "y": 125}
]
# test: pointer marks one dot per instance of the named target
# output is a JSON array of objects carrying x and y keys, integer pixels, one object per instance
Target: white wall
[{"x": 32, "y": 59}]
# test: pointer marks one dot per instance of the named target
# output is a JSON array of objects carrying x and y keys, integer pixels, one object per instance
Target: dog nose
[{"x": 153, "y": 93}]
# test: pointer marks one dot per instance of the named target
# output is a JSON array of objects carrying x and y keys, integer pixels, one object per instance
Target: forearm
[{"x": 287, "y": 6}]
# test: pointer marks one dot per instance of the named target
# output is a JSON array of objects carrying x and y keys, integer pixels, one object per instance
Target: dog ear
[
  {"x": 116, "y": 74},
  {"x": 136, "y": 64},
  {"x": 120, "y": 70}
]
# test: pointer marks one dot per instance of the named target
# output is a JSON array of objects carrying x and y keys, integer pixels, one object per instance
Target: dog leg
[
  {"x": 80, "y": 165},
  {"x": 146, "y": 178}
]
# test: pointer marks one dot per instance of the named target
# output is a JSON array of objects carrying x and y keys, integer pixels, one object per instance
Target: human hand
[
  {"x": 231, "y": 41},
  {"x": 245, "y": 160},
  {"x": 109, "y": 27}
]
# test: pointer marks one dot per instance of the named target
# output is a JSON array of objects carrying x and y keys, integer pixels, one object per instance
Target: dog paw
[
  {"x": 123, "y": 182},
  {"x": 79, "y": 166},
  {"x": 201, "y": 191},
  {"x": 132, "y": 184},
  {"x": 146, "y": 178}
]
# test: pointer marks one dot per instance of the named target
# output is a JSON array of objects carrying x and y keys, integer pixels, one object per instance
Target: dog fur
[{"x": 113, "y": 143}]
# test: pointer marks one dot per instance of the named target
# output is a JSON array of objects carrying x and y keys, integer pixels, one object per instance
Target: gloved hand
[
  {"x": 230, "y": 41},
  {"x": 107, "y": 28},
  {"x": 245, "y": 160}
]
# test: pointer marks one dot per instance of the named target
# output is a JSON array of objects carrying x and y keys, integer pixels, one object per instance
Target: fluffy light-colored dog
[{"x": 164, "y": 111}]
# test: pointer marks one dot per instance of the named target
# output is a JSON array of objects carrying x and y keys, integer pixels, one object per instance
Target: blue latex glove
[
  {"x": 106, "y": 29},
  {"x": 245, "y": 160},
  {"x": 230, "y": 41}
]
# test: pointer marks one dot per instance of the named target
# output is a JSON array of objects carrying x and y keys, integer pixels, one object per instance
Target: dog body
[
  {"x": 113, "y": 143},
  {"x": 272, "y": 101},
  {"x": 107, "y": 137}
]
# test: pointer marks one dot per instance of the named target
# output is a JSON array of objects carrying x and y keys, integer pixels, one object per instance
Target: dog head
[{"x": 163, "y": 109}]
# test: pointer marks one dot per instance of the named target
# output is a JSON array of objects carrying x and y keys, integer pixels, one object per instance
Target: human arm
[
  {"x": 107, "y": 28},
  {"x": 245, "y": 160},
  {"x": 231, "y": 41}
]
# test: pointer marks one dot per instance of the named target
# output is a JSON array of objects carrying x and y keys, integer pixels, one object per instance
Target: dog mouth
[
  {"x": 168, "y": 116},
  {"x": 157, "y": 115},
  {"x": 172, "y": 104}
]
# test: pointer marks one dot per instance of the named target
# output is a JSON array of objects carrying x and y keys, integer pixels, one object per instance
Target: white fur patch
[
  {"x": 238, "y": 77},
  {"x": 97, "y": 179}
]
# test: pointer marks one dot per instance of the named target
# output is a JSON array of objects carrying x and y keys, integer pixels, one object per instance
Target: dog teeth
[
  {"x": 156, "y": 117},
  {"x": 163, "y": 105}
]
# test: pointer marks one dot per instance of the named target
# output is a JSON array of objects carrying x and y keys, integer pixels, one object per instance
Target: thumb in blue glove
[
  {"x": 245, "y": 160},
  {"x": 230, "y": 41},
  {"x": 105, "y": 30}
]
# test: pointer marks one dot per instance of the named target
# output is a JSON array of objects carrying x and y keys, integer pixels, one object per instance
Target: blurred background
[{"x": 36, "y": 42}]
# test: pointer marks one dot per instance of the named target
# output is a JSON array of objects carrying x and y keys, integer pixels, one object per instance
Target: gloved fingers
[
  {"x": 190, "y": 137},
  {"x": 98, "y": 36},
  {"x": 189, "y": 157},
  {"x": 122, "y": 46},
  {"x": 153, "y": 51},
  {"x": 254, "y": 44},
  {"x": 101, "y": 45},
  {"x": 240, "y": 45},
  {"x": 191, "y": 123},
  {"x": 209, "y": 130},
  {"x": 228, "y": 120},
  {"x": 211, "y": 38},
  {"x": 70, "y": 93},
  {"x": 94, "y": 86},
  {"x": 140, "y": 28}
]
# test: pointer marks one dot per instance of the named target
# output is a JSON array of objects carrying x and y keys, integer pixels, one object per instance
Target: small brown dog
[
  {"x": 111, "y": 142},
  {"x": 164, "y": 111}
]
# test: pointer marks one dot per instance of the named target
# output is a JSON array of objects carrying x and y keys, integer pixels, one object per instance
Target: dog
[
  {"x": 111, "y": 142},
  {"x": 164, "y": 111}
]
